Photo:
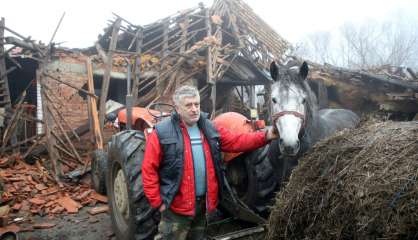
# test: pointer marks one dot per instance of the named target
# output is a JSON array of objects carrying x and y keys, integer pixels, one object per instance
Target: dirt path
[
  {"x": 98, "y": 227},
  {"x": 71, "y": 227}
]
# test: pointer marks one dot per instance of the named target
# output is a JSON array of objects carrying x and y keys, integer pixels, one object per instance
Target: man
[{"x": 181, "y": 171}]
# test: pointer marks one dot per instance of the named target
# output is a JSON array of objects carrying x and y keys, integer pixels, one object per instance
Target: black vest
[{"x": 171, "y": 141}]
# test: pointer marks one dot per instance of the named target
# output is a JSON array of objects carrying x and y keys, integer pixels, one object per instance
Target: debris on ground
[
  {"x": 97, "y": 210},
  {"x": 29, "y": 190},
  {"x": 358, "y": 184}
]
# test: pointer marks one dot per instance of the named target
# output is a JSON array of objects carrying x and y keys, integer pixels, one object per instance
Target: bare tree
[
  {"x": 365, "y": 45},
  {"x": 361, "y": 44},
  {"x": 316, "y": 46},
  {"x": 400, "y": 42}
]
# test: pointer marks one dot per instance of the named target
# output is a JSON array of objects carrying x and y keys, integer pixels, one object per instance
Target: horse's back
[{"x": 333, "y": 120}]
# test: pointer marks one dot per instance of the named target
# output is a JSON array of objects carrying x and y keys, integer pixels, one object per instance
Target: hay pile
[{"x": 359, "y": 184}]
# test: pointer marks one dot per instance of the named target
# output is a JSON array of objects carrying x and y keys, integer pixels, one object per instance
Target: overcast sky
[{"x": 84, "y": 20}]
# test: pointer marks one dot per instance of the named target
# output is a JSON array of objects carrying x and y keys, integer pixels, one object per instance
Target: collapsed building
[
  {"x": 389, "y": 89},
  {"x": 224, "y": 50},
  {"x": 215, "y": 49}
]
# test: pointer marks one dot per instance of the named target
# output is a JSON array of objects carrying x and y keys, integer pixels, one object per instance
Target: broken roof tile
[
  {"x": 43, "y": 225},
  {"x": 40, "y": 186},
  {"x": 37, "y": 201},
  {"x": 98, "y": 197},
  {"x": 97, "y": 210},
  {"x": 69, "y": 204}
]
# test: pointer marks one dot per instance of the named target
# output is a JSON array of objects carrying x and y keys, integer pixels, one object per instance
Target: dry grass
[{"x": 358, "y": 184}]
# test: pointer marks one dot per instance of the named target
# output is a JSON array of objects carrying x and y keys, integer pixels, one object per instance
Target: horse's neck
[
  {"x": 313, "y": 132},
  {"x": 314, "y": 124}
]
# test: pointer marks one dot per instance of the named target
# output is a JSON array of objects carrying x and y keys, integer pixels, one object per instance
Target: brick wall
[{"x": 69, "y": 67}]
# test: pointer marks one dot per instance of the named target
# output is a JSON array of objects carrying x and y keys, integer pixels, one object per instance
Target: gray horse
[
  {"x": 300, "y": 125},
  {"x": 296, "y": 116}
]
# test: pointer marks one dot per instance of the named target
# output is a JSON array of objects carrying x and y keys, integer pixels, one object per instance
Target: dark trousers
[{"x": 174, "y": 226}]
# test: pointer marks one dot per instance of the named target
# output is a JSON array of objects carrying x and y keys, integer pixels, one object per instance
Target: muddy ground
[
  {"x": 98, "y": 227},
  {"x": 71, "y": 227}
]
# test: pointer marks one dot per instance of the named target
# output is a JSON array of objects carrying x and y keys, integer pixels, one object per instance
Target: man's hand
[
  {"x": 162, "y": 208},
  {"x": 271, "y": 133}
]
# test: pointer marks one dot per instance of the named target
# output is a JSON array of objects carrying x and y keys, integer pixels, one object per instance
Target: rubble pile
[
  {"x": 359, "y": 184},
  {"x": 29, "y": 190}
]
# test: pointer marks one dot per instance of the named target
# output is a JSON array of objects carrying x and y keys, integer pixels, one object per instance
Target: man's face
[{"x": 189, "y": 110}]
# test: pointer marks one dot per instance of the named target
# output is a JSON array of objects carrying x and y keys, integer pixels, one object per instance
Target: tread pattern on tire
[
  {"x": 98, "y": 170},
  {"x": 127, "y": 149}
]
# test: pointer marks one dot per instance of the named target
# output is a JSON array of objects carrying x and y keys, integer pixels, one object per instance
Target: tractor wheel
[
  {"x": 98, "y": 171},
  {"x": 254, "y": 182},
  {"x": 131, "y": 215}
]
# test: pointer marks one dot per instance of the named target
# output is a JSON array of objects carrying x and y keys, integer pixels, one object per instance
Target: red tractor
[{"x": 250, "y": 178}]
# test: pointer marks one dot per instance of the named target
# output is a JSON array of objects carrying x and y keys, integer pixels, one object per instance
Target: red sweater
[{"x": 184, "y": 201}]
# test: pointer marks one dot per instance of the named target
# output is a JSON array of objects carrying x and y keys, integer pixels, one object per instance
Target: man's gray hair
[{"x": 184, "y": 91}]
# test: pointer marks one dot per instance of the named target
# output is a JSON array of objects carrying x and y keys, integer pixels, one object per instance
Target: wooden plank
[
  {"x": 399, "y": 106},
  {"x": 7, "y": 72},
  {"x": 173, "y": 35},
  {"x": 184, "y": 29},
  {"x": 64, "y": 146},
  {"x": 209, "y": 64},
  {"x": 61, "y": 128},
  {"x": 16, "y": 63},
  {"x": 12, "y": 124},
  {"x": 27, "y": 39},
  {"x": 62, "y": 117},
  {"x": 173, "y": 79},
  {"x": 38, "y": 149},
  {"x": 101, "y": 52},
  {"x": 209, "y": 70},
  {"x": 56, "y": 30},
  {"x": 53, "y": 154},
  {"x": 161, "y": 83},
  {"x": 3, "y": 71},
  {"x": 137, "y": 65},
  {"x": 33, "y": 138},
  {"x": 10, "y": 133},
  {"x": 93, "y": 106},
  {"x": 69, "y": 84},
  {"x": 108, "y": 69},
  {"x": 31, "y": 148},
  {"x": 21, "y": 43},
  {"x": 58, "y": 123},
  {"x": 402, "y": 96}
]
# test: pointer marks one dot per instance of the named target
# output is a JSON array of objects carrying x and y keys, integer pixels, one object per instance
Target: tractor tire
[
  {"x": 98, "y": 171},
  {"x": 255, "y": 182},
  {"x": 131, "y": 215}
]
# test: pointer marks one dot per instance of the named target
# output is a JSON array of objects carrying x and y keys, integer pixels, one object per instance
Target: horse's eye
[
  {"x": 304, "y": 101},
  {"x": 274, "y": 100}
]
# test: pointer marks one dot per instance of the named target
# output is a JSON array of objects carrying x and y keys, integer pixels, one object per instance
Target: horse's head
[{"x": 290, "y": 99}]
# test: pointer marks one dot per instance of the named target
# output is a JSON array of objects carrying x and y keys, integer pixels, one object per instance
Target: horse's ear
[
  {"x": 274, "y": 71},
  {"x": 304, "y": 69}
]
